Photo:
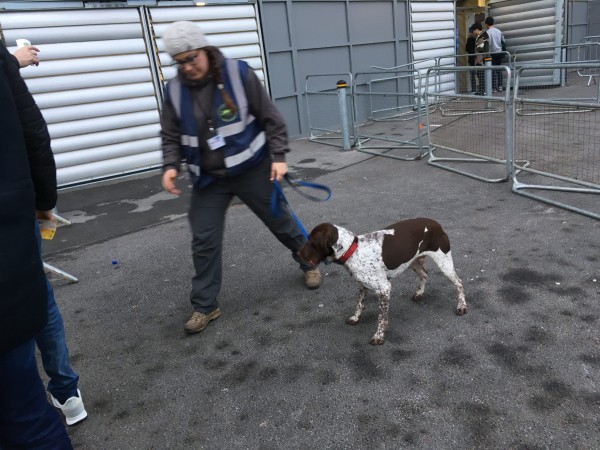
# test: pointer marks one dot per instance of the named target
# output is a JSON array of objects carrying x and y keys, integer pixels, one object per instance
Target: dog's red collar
[{"x": 348, "y": 253}]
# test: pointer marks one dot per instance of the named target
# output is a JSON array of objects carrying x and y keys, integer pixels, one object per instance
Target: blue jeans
[
  {"x": 52, "y": 346},
  {"x": 26, "y": 418}
]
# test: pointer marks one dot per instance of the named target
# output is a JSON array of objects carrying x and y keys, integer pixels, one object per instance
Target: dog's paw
[
  {"x": 377, "y": 340},
  {"x": 417, "y": 297},
  {"x": 461, "y": 311},
  {"x": 352, "y": 320}
]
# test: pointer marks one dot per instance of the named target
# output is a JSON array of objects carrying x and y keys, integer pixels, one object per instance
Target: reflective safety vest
[{"x": 245, "y": 141}]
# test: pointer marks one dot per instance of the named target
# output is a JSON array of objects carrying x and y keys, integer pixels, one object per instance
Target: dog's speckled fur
[{"x": 385, "y": 254}]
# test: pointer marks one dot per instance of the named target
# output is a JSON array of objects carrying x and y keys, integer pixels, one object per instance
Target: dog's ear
[
  {"x": 333, "y": 237},
  {"x": 328, "y": 236}
]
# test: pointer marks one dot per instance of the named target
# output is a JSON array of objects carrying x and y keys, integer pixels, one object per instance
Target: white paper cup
[{"x": 23, "y": 43}]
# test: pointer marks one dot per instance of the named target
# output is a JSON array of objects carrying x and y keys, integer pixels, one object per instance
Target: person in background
[
  {"x": 26, "y": 418},
  {"x": 218, "y": 116},
  {"x": 63, "y": 384},
  {"x": 470, "y": 49},
  {"x": 482, "y": 48},
  {"x": 496, "y": 39}
]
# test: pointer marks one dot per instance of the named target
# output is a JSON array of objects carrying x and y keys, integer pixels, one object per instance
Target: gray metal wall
[
  {"x": 329, "y": 36},
  {"x": 583, "y": 19},
  {"x": 594, "y": 18}
]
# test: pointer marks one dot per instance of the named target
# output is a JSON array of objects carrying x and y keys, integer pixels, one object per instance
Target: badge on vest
[
  {"x": 216, "y": 142},
  {"x": 226, "y": 114}
]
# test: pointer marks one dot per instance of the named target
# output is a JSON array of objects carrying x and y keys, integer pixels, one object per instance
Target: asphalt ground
[{"x": 282, "y": 370}]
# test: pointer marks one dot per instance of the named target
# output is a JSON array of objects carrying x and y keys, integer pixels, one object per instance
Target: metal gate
[
  {"x": 396, "y": 113},
  {"x": 559, "y": 140},
  {"x": 470, "y": 134}
]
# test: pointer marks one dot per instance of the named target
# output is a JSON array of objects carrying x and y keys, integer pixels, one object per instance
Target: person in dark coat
[
  {"x": 26, "y": 418},
  {"x": 51, "y": 342},
  {"x": 470, "y": 49},
  {"x": 218, "y": 115},
  {"x": 482, "y": 49}
]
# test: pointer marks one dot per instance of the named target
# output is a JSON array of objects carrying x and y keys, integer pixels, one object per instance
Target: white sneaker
[{"x": 72, "y": 409}]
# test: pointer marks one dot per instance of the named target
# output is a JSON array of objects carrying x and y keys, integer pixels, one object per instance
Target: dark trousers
[
  {"x": 497, "y": 77},
  {"x": 480, "y": 79},
  {"x": 207, "y": 220},
  {"x": 26, "y": 418},
  {"x": 473, "y": 77}
]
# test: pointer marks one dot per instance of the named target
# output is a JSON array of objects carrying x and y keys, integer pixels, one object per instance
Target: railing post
[
  {"x": 509, "y": 124},
  {"x": 488, "y": 77},
  {"x": 341, "y": 87}
]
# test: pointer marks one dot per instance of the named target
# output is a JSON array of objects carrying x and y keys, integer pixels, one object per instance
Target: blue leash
[{"x": 278, "y": 196}]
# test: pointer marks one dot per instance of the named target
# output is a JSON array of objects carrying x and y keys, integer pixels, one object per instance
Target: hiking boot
[
  {"x": 312, "y": 278},
  {"x": 72, "y": 409},
  {"x": 199, "y": 320}
]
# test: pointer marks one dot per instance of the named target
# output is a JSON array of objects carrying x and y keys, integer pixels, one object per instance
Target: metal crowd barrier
[
  {"x": 583, "y": 52},
  {"x": 56, "y": 270},
  {"x": 389, "y": 113},
  {"x": 562, "y": 150},
  {"x": 563, "y": 74},
  {"x": 593, "y": 53},
  {"x": 420, "y": 65},
  {"x": 580, "y": 53},
  {"x": 453, "y": 61},
  {"x": 475, "y": 135}
]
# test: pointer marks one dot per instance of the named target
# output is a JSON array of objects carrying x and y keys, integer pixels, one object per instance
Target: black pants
[
  {"x": 473, "y": 77},
  {"x": 207, "y": 219},
  {"x": 480, "y": 79},
  {"x": 497, "y": 77}
]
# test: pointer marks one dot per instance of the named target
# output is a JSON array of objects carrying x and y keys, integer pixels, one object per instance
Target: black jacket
[
  {"x": 23, "y": 294},
  {"x": 37, "y": 139},
  {"x": 470, "y": 48}
]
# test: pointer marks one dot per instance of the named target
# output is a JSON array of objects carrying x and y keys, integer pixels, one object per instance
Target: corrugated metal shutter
[
  {"x": 434, "y": 36},
  {"x": 94, "y": 87},
  {"x": 232, "y": 28},
  {"x": 530, "y": 24}
]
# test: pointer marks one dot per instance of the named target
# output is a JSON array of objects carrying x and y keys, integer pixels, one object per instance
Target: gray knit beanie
[{"x": 182, "y": 37}]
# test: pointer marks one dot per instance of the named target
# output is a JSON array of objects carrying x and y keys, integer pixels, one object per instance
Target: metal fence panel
[
  {"x": 468, "y": 133},
  {"x": 557, "y": 141},
  {"x": 394, "y": 123}
]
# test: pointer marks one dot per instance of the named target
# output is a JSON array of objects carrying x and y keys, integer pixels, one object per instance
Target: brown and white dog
[{"x": 373, "y": 258}]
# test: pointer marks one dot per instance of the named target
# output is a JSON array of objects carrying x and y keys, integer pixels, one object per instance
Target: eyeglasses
[{"x": 189, "y": 60}]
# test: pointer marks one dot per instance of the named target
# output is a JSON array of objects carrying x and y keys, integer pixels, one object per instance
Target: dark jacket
[
  {"x": 37, "y": 138},
  {"x": 23, "y": 295},
  {"x": 260, "y": 106},
  {"x": 482, "y": 47},
  {"x": 470, "y": 48}
]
